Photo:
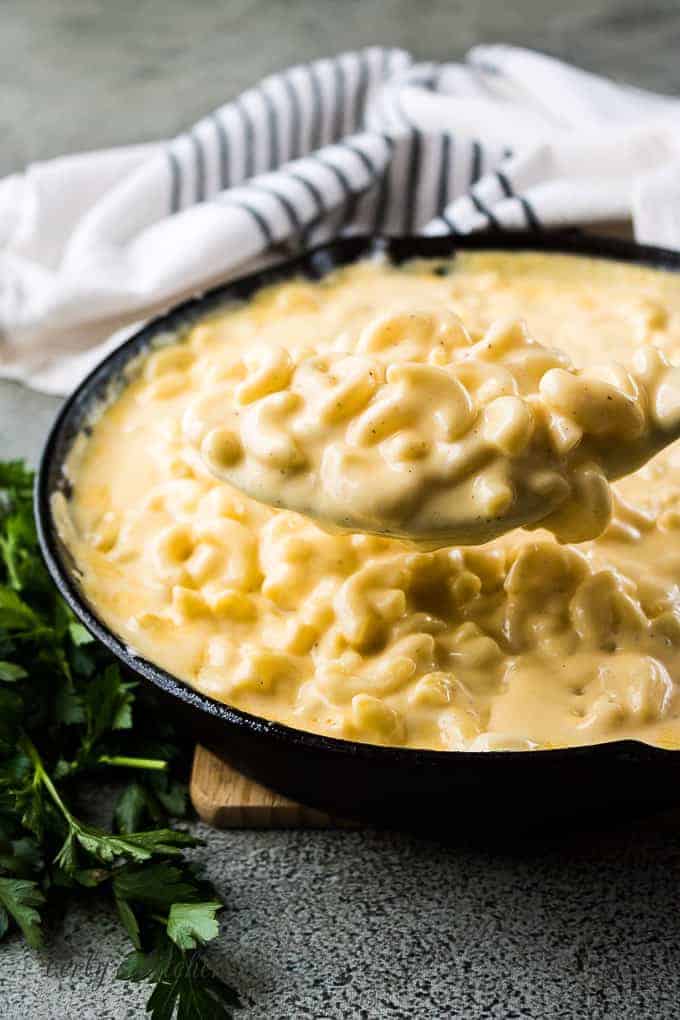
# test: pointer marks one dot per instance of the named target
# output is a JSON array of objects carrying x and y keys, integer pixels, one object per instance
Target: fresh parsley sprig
[{"x": 67, "y": 714}]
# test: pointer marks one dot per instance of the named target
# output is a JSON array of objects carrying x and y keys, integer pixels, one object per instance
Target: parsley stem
[
  {"x": 122, "y": 761},
  {"x": 41, "y": 776}
]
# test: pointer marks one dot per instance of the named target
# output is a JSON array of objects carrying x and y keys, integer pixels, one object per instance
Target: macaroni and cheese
[
  {"x": 416, "y": 432},
  {"x": 519, "y": 643}
]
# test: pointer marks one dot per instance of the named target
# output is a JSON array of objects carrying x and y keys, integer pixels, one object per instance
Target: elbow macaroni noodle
[{"x": 520, "y": 643}]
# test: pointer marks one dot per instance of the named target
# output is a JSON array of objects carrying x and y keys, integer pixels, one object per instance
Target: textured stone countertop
[{"x": 330, "y": 925}]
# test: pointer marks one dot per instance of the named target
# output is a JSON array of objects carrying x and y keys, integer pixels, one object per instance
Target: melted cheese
[
  {"x": 414, "y": 431},
  {"x": 518, "y": 643}
]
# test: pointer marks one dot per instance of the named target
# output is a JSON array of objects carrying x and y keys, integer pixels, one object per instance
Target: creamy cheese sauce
[{"x": 518, "y": 643}]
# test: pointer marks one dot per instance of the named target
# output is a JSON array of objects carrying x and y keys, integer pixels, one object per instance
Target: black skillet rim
[{"x": 314, "y": 264}]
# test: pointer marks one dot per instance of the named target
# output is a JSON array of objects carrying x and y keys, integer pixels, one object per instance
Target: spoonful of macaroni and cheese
[{"x": 417, "y": 432}]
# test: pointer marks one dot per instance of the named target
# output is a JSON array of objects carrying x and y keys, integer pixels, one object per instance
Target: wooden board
[{"x": 225, "y": 799}]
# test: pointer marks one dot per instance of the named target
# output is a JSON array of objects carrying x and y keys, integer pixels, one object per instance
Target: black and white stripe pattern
[
  {"x": 334, "y": 147},
  {"x": 367, "y": 141}
]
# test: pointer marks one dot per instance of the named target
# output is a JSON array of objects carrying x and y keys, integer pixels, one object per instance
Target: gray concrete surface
[
  {"x": 369, "y": 926},
  {"x": 351, "y": 925}
]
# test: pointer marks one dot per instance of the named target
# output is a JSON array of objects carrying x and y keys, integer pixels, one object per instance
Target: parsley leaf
[
  {"x": 15, "y": 614},
  {"x": 79, "y": 634},
  {"x": 183, "y": 982},
  {"x": 159, "y": 885},
  {"x": 129, "y": 922},
  {"x": 132, "y": 807},
  {"x": 68, "y": 713},
  {"x": 19, "y": 898},
  {"x": 10, "y": 672},
  {"x": 108, "y": 704},
  {"x": 192, "y": 923}
]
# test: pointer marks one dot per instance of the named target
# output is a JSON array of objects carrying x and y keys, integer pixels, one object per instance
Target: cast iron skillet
[{"x": 401, "y": 787}]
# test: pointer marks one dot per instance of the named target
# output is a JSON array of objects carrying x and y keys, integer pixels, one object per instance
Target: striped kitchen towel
[{"x": 366, "y": 141}]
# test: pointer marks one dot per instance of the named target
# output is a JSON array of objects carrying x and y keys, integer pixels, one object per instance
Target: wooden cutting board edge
[{"x": 224, "y": 799}]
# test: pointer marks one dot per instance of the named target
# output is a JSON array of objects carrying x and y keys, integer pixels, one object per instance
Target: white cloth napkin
[{"x": 93, "y": 243}]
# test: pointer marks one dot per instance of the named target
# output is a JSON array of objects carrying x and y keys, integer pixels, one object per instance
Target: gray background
[{"x": 328, "y": 925}]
